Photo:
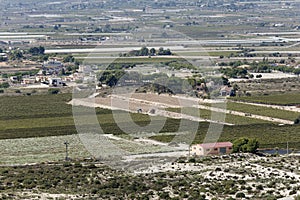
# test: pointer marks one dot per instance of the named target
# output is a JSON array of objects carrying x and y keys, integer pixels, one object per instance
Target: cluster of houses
[{"x": 47, "y": 75}]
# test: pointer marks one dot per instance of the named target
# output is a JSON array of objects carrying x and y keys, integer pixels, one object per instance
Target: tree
[
  {"x": 252, "y": 146},
  {"x": 41, "y": 50},
  {"x": 225, "y": 81},
  {"x": 240, "y": 195},
  {"x": 152, "y": 51},
  {"x": 37, "y": 50},
  {"x": 297, "y": 121},
  {"x": 69, "y": 58},
  {"x": 4, "y": 85},
  {"x": 236, "y": 87},
  {"x": 144, "y": 51},
  {"x": 245, "y": 145},
  {"x": 297, "y": 71},
  {"x": 167, "y": 52},
  {"x": 63, "y": 72},
  {"x": 160, "y": 51},
  {"x": 16, "y": 55},
  {"x": 53, "y": 91}
]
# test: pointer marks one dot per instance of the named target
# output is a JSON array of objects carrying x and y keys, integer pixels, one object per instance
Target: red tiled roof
[{"x": 216, "y": 145}]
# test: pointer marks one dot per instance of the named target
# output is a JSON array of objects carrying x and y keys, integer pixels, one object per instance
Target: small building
[
  {"x": 57, "y": 82},
  {"x": 226, "y": 91},
  {"x": 27, "y": 81},
  {"x": 14, "y": 79},
  {"x": 53, "y": 64},
  {"x": 217, "y": 148}
]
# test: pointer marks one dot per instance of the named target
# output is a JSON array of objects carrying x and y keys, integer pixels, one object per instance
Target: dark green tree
[
  {"x": 144, "y": 51},
  {"x": 152, "y": 51},
  {"x": 4, "y": 85},
  {"x": 69, "y": 58},
  {"x": 245, "y": 145}
]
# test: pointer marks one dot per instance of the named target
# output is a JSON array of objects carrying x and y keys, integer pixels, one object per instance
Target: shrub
[
  {"x": 4, "y": 85},
  {"x": 245, "y": 145},
  {"x": 240, "y": 195},
  {"x": 297, "y": 121},
  {"x": 53, "y": 91}
]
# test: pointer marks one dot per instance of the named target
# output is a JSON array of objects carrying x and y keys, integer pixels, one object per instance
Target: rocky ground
[{"x": 235, "y": 176}]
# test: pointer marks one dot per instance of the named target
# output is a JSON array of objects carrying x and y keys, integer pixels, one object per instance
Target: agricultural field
[
  {"x": 209, "y": 44},
  {"x": 275, "y": 112},
  {"x": 26, "y": 121},
  {"x": 287, "y": 99},
  {"x": 280, "y": 135}
]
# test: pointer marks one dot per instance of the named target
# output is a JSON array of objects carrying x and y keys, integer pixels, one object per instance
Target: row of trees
[
  {"x": 37, "y": 50},
  {"x": 144, "y": 51},
  {"x": 261, "y": 67},
  {"x": 159, "y": 83}
]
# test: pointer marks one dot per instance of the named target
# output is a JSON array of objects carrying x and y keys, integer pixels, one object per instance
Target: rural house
[
  {"x": 211, "y": 149},
  {"x": 226, "y": 91}
]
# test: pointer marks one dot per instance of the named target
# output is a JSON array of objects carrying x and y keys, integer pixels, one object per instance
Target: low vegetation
[
  {"x": 236, "y": 175},
  {"x": 287, "y": 99}
]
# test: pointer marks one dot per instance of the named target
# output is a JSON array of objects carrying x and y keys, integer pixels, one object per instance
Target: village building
[
  {"x": 27, "y": 81},
  {"x": 56, "y": 82},
  {"x": 218, "y": 148},
  {"x": 51, "y": 67},
  {"x": 226, "y": 91}
]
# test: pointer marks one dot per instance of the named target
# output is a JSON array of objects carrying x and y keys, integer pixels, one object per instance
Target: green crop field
[
  {"x": 275, "y": 99},
  {"x": 264, "y": 111},
  {"x": 268, "y": 135},
  {"x": 229, "y": 118}
]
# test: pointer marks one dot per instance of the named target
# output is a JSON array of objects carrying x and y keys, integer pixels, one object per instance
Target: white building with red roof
[{"x": 217, "y": 148}]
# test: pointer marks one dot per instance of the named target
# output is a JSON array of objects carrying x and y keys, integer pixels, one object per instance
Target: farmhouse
[
  {"x": 53, "y": 64},
  {"x": 27, "y": 81},
  {"x": 226, "y": 91},
  {"x": 51, "y": 67},
  {"x": 211, "y": 149},
  {"x": 55, "y": 82}
]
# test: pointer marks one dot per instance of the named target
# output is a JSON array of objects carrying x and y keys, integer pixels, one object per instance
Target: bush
[
  {"x": 53, "y": 91},
  {"x": 240, "y": 195},
  {"x": 4, "y": 85},
  {"x": 245, "y": 145},
  {"x": 297, "y": 121}
]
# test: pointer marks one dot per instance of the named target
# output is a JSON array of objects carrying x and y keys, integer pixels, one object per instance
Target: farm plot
[
  {"x": 288, "y": 99},
  {"x": 264, "y": 111},
  {"x": 40, "y": 149},
  {"x": 268, "y": 135}
]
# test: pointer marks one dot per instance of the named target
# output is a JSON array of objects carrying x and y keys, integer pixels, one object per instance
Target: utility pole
[{"x": 66, "y": 143}]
